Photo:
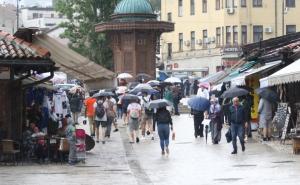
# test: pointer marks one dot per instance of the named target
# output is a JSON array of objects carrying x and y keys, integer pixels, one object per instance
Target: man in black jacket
[{"x": 236, "y": 122}]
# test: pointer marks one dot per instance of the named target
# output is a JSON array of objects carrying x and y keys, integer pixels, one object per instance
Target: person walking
[
  {"x": 195, "y": 86},
  {"x": 134, "y": 112},
  {"x": 216, "y": 116},
  {"x": 147, "y": 114},
  {"x": 265, "y": 117},
  {"x": 247, "y": 108},
  {"x": 90, "y": 113},
  {"x": 187, "y": 87},
  {"x": 164, "y": 124},
  {"x": 236, "y": 122},
  {"x": 101, "y": 108},
  {"x": 76, "y": 105},
  {"x": 176, "y": 99},
  {"x": 111, "y": 114},
  {"x": 198, "y": 119}
]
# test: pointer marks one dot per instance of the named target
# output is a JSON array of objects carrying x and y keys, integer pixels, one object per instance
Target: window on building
[
  {"x": 235, "y": 35},
  {"x": 41, "y": 15},
  {"x": 290, "y": 3},
  {"x": 169, "y": 50},
  {"x": 229, "y": 3},
  {"x": 204, "y": 38},
  {"x": 204, "y": 6},
  {"x": 228, "y": 35},
  {"x": 192, "y": 7},
  {"x": 243, "y": 3},
  {"x": 193, "y": 40},
  {"x": 218, "y": 4},
  {"x": 257, "y": 3},
  {"x": 180, "y": 8},
  {"x": 35, "y": 15},
  {"x": 180, "y": 41},
  {"x": 218, "y": 36},
  {"x": 244, "y": 34},
  {"x": 170, "y": 16},
  {"x": 290, "y": 29},
  {"x": 52, "y": 15},
  {"x": 257, "y": 33}
]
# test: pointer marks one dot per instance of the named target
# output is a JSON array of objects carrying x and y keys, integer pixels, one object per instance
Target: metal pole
[
  {"x": 17, "y": 14},
  {"x": 276, "y": 18},
  {"x": 283, "y": 17}
]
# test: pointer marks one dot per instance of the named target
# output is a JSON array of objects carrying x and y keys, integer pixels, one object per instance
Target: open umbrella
[
  {"x": 143, "y": 88},
  {"x": 155, "y": 104},
  {"x": 101, "y": 94},
  {"x": 130, "y": 97},
  {"x": 124, "y": 75},
  {"x": 199, "y": 103},
  {"x": 173, "y": 80},
  {"x": 268, "y": 94},
  {"x": 143, "y": 76},
  {"x": 153, "y": 83},
  {"x": 74, "y": 89},
  {"x": 204, "y": 84},
  {"x": 234, "y": 92}
]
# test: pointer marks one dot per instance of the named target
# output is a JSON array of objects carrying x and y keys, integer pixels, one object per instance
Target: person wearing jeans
[
  {"x": 164, "y": 121},
  {"x": 236, "y": 122}
]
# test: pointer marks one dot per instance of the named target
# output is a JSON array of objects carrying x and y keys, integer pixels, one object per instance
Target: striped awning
[{"x": 289, "y": 74}]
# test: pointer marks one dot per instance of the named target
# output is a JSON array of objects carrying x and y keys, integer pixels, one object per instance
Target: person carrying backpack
[
  {"x": 111, "y": 115},
  {"x": 134, "y": 110},
  {"x": 147, "y": 115},
  {"x": 101, "y": 108}
]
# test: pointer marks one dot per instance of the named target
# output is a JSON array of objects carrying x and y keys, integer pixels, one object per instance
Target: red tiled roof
[{"x": 14, "y": 48}]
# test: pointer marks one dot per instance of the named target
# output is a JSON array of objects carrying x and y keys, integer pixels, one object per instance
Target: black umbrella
[
  {"x": 130, "y": 97},
  {"x": 234, "y": 92},
  {"x": 155, "y": 104},
  {"x": 103, "y": 94},
  {"x": 268, "y": 94},
  {"x": 143, "y": 76}
]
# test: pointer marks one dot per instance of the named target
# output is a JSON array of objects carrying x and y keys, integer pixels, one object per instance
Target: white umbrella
[
  {"x": 153, "y": 82},
  {"x": 124, "y": 75},
  {"x": 74, "y": 89},
  {"x": 173, "y": 80}
]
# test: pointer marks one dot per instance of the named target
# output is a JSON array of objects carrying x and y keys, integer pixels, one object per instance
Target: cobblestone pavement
[{"x": 191, "y": 162}]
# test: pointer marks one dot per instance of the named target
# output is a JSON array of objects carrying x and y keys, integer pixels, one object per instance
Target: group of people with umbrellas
[{"x": 235, "y": 109}]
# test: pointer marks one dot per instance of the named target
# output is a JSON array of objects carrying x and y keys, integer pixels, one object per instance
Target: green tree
[{"x": 80, "y": 29}]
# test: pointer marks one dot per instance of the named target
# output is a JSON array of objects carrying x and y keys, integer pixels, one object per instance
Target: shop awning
[
  {"x": 289, "y": 74},
  {"x": 241, "y": 79},
  {"x": 71, "y": 62},
  {"x": 213, "y": 77}
]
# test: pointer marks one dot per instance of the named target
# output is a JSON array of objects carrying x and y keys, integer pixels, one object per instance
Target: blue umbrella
[
  {"x": 268, "y": 94},
  {"x": 199, "y": 103}
]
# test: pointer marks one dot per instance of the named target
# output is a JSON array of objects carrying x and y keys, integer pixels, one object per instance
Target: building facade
[
  {"x": 209, "y": 33},
  {"x": 41, "y": 17},
  {"x": 8, "y": 18}
]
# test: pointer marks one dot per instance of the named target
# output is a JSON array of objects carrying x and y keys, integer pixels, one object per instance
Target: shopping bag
[{"x": 173, "y": 136}]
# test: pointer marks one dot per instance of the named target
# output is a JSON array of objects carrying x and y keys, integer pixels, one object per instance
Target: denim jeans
[
  {"x": 164, "y": 134},
  {"x": 237, "y": 130}
]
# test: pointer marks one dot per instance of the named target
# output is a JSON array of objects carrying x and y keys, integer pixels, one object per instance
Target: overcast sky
[{"x": 29, "y": 2}]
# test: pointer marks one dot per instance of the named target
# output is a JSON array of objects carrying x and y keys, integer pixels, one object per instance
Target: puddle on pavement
[
  {"x": 283, "y": 162},
  {"x": 228, "y": 179},
  {"x": 245, "y": 165}
]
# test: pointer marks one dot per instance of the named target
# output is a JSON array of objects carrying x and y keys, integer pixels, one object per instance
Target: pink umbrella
[{"x": 204, "y": 84}]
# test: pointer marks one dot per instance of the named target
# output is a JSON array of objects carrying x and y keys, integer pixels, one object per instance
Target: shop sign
[{"x": 4, "y": 73}]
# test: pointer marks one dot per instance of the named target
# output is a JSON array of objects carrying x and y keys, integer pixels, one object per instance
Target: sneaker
[
  {"x": 103, "y": 142},
  {"x": 148, "y": 132},
  {"x": 234, "y": 152},
  {"x": 137, "y": 140},
  {"x": 269, "y": 139},
  {"x": 163, "y": 152},
  {"x": 116, "y": 130},
  {"x": 152, "y": 138}
]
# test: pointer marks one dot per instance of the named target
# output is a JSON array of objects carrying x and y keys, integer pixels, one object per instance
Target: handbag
[{"x": 228, "y": 136}]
